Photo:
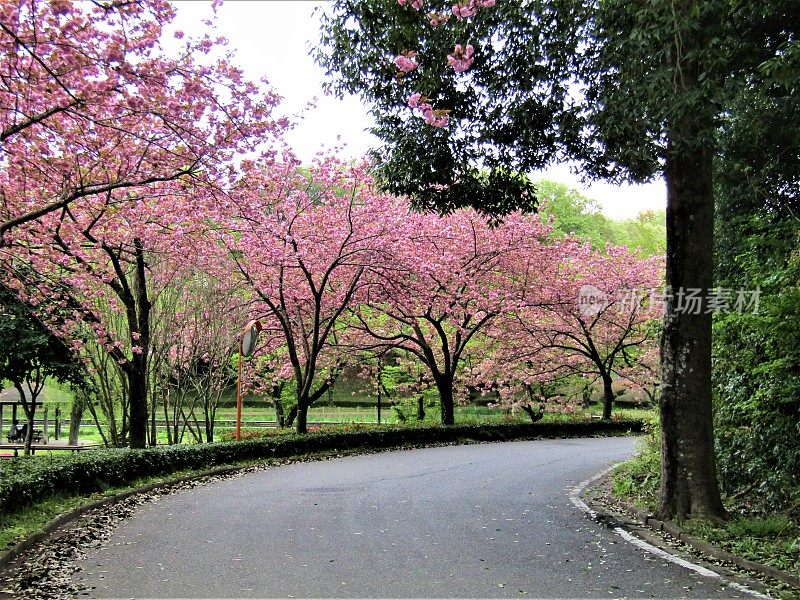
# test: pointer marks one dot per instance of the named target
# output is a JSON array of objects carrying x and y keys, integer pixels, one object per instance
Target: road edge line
[{"x": 619, "y": 528}]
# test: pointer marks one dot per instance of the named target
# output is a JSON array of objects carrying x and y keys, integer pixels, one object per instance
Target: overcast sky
[{"x": 273, "y": 39}]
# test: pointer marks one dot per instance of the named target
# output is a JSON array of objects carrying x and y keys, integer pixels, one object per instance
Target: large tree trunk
[
  {"x": 139, "y": 322},
  {"x": 608, "y": 396},
  {"x": 689, "y": 485},
  {"x": 444, "y": 385}
]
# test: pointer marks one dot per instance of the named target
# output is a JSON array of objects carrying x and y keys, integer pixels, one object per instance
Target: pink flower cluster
[
  {"x": 461, "y": 58},
  {"x": 415, "y": 4},
  {"x": 437, "y": 118},
  {"x": 468, "y": 9},
  {"x": 406, "y": 61}
]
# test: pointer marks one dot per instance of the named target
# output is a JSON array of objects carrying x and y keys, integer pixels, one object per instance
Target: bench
[
  {"x": 16, "y": 447},
  {"x": 37, "y": 438}
]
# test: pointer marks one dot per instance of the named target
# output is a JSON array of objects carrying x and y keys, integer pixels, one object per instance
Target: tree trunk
[
  {"x": 139, "y": 322},
  {"x": 420, "y": 408},
  {"x": 137, "y": 383},
  {"x": 291, "y": 416},
  {"x": 302, "y": 416},
  {"x": 689, "y": 485},
  {"x": 280, "y": 417},
  {"x": 534, "y": 415},
  {"x": 608, "y": 397},
  {"x": 445, "y": 386},
  {"x": 75, "y": 418}
]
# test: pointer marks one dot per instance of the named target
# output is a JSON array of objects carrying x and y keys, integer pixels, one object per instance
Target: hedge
[{"x": 24, "y": 481}]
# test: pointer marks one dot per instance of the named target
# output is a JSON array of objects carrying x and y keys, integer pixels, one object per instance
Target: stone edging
[
  {"x": 706, "y": 548},
  {"x": 675, "y": 531}
]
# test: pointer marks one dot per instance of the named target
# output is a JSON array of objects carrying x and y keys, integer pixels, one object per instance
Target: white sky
[{"x": 272, "y": 39}]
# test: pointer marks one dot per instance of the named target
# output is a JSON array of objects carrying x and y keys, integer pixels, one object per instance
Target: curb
[
  {"x": 675, "y": 531},
  {"x": 714, "y": 552}
]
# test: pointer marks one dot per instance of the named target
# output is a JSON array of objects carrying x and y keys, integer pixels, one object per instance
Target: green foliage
[
  {"x": 516, "y": 110},
  {"x": 29, "y": 352},
  {"x": 761, "y": 527},
  {"x": 756, "y": 355},
  {"x": 405, "y": 408},
  {"x": 638, "y": 480},
  {"x": 26, "y": 481},
  {"x": 575, "y": 214},
  {"x": 772, "y": 540},
  {"x": 510, "y": 118}
]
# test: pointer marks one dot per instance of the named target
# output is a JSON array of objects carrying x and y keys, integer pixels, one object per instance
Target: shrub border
[{"x": 216, "y": 455}]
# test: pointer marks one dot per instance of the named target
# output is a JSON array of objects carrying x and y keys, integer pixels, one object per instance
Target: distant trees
[
  {"x": 30, "y": 354},
  {"x": 575, "y": 214}
]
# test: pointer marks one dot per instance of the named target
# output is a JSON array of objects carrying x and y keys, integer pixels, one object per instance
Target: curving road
[{"x": 491, "y": 520}]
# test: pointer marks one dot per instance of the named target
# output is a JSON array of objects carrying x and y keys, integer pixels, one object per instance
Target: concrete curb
[
  {"x": 717, "y": 553},
  {"x": 675, "y": 531}
]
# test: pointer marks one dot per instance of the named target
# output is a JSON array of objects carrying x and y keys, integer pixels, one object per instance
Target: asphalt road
[{"x": 491, "y": 520}]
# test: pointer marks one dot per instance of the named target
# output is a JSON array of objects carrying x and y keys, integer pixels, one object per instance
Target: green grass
[
  {"x": 15, "y": 528},
  {"x": 769, "y": 539},
  {"x": 773, "y": 539},
  {"x": 23, "y": 523},
  {"x": 350, "y": 404}
]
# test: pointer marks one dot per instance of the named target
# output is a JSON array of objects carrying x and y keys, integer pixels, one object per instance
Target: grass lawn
[{"x": 348, "y": 403}]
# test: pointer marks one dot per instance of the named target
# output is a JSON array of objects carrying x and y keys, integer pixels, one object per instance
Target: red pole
[{"x": 239, "y": 402}]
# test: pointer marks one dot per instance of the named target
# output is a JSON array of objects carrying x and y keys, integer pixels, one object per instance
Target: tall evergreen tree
[{"x": 633, "y": 90}]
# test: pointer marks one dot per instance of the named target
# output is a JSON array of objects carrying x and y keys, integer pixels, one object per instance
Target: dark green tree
[
  {"x": 30, "y": 354},
  {"x": 634, "y": 90},
  {"x": 756, "y": 355}
]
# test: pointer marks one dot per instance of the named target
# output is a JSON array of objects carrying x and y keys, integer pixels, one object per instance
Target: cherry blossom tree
[
  {"x": 114, "y": 156},
  {"x": 91, "y": 105},
  {"x": 303, "y": 242},
  {"x": 603, "y": 322},
  {"x": 448, "y": 279}
]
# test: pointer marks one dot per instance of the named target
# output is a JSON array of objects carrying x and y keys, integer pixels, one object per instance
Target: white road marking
[{"x": 575, "y": 498}]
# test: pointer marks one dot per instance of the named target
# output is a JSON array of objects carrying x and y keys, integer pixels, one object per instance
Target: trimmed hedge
[{"x": 26, "y": 480}]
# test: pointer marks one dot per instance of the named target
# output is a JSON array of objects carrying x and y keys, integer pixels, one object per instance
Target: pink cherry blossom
[
  {"x": 461, "y": 58},
  {"x": 406, "y": 63},
  {"x": 465, "y": 10}
]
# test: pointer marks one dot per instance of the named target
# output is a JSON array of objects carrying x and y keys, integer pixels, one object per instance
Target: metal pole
[
  {"x": 380, "y": 387},
  {"x": 239, "y": 402}
]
